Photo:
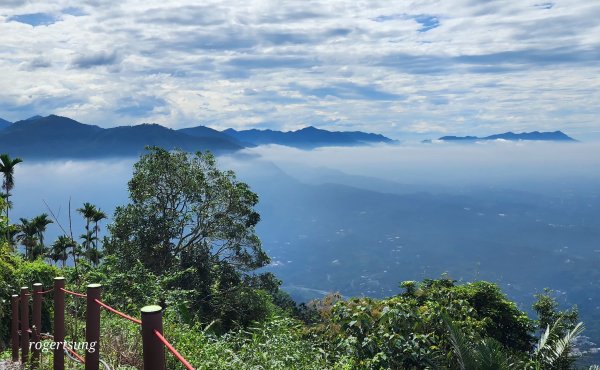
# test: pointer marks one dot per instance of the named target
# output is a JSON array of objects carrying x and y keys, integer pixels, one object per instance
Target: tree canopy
[{"x": 193, "y": 225}]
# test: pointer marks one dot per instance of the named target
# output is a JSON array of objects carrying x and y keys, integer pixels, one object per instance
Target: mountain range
[
  {"x": 308, "y": 137},
  {"x": 511, "y": 136},
  {"x": 61, "y": 137}
]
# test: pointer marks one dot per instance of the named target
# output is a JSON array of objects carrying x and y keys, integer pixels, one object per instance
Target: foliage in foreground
[
  {"x": 434, "y": 325},
  {"x": 441, "y": 325}
]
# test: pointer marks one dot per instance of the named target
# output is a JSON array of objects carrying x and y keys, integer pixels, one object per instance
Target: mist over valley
[{"x": 359, "y": 220}]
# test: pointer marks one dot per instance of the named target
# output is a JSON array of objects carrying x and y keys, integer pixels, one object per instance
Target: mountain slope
[
  {"x": 51, "y": 136},
  {"x": 61, "y": 137},
  {"x": 308, "y": 137},
  {"x": 203, "y": 131},
  {"x": 534, "y": 136},
  {"x": 4, "y": 124},
  {"x": 125, "y": 140}
]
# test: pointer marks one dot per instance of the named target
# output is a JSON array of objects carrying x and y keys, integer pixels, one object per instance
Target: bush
[
  {"x": 408, "y": 331},
  {"x": 277, "y": 343},
  {"x": 15, "y": 273}
]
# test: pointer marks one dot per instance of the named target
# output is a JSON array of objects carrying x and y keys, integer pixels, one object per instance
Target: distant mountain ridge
[
  {"x": 308, "y": 137},
  {"x": 511, "y": 136},
  {"x": 62, "y": 137},
  {"x": 207, "y": 132}
]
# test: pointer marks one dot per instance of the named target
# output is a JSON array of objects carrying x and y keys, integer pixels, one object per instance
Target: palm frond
[
  {"x": 562, "y": 345},
  {"x": 491, "y": 355},
  {"x": 460, "y": 344},
  {"x": 543, "y": 341}
]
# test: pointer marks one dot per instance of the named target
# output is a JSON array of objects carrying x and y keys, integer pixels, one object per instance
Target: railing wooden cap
[
  {"x": 37, "y": 284},
  {"x": 59, "y": 278},
  {"x": 151, "y": 309},
  {"x": 15, "y": 296},
  {"x": 24, "y": 287},
  {"x": 94, "y": 286}
]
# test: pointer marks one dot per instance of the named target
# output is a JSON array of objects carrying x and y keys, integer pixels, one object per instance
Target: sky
[{"x": 400, "y": 68}]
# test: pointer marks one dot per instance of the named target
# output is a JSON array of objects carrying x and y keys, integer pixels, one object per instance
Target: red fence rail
[{"x": 153, "y": 341}]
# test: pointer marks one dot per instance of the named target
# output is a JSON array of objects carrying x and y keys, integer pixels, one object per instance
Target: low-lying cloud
[
  {"x": 539, "y": 168},
  {"x": 493, "y": 163}
]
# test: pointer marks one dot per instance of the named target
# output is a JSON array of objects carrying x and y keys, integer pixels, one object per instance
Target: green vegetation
[{"x": 187, "y": 241}]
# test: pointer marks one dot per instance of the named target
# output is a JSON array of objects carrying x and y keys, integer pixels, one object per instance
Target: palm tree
[
  {"x": 87, "y": 211},
  {"x": 37, "y": 251},
  {"x": 551, "y": 352},
  {"x": 554, "y": 346},
  {"x": 7, "y": 167},
  {"x": 487, "y": 354},
  {"x": 60, "y": 249},
  {"x": 98, "y": 216},
  {"x": 94, "y": 256},
  {"x": 40, "y": 223},
  {"x": 27, "y": 235}
]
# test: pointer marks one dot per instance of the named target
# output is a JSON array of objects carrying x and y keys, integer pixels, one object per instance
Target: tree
[
  {"x": 28, "y": 236},
  {"x": 193, "y": 225},
  {"x": 40, "y": 223},
  {"x": 94, "y": 256},
  {"x": 555, "y": 325},
  {"x": 98, "y": 216},
  {"x": 87, "y": 211},
  {"x": 550, "y": 353},
  {"x": 7, "y": 167},
  {"x": 90, "y": 238},
  {"x": 60, "y": 249},
  {"x": 8, "y": 231}
]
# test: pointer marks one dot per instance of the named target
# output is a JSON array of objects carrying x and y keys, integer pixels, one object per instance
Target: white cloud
[
  {"x": 488, "y": 66},
  {"x": 426, "y": 128},
  {"x": 500, "y": 163}
]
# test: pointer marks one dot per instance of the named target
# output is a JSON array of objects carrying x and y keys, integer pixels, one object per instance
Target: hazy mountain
[
  {"x": 209, "y": 133},
  {"x": 203, "y": 131},
  {"x": 61, "y": 137},
  {"x": 51, "y": 136},
  {"x": 308, "y": 137},
  {"x": 534, "y": 135},
  {"x": 120, "y": 140},
  {"x": 4, "y": 124}
]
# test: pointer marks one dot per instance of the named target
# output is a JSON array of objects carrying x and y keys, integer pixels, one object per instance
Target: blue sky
[{"x": 404, "y": 69}]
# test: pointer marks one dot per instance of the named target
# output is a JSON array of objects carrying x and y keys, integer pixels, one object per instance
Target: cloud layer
[{"x": 399, "y": 68}]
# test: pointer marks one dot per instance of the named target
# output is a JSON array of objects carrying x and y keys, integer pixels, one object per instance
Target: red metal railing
[
  {"x": 173, "y": 350},
  {"x": 153, "y": 341},
  {"x": 73, "y": 293},
  {"x": 118, "y": 312}
]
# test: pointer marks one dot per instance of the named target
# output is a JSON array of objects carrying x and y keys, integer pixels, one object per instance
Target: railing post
[
  {"x": 37, "y": 321},
  {"x": 92, "y": 328},
  {"x": 59, "y": 323},
  {"x": 14, "y": 327},
  {"x": 154, "y": 349},
  {"x": 24, "y": 324}
]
